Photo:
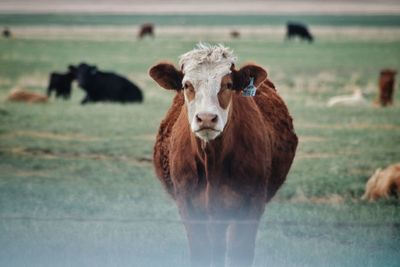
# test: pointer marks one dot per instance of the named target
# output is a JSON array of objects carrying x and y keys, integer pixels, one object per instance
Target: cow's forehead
[
  {"x": 207, "y": 72},
  {"x": 207, "y": 61}
]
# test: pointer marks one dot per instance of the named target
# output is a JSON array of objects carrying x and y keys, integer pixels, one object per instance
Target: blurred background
[{"x": 77, "y": 186}]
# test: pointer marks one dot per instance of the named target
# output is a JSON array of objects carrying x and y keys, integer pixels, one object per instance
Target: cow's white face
[
  {"x": 208, "y": 98},
  {"x": 208, "y": 79}
]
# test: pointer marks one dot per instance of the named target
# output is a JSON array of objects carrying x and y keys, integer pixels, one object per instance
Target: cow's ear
[
  {"x": 93, "y": 70},
  {"x": 167, "y": 76},
  {"x": 241, "y": 77}
]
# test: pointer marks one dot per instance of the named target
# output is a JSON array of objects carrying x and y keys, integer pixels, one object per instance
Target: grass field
[{"x": 77, "y": 187}]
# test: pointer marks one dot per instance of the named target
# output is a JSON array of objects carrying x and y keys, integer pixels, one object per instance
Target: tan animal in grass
[
  {"x": 383, "y": 183},
  {"x": 22, "y": 95},
  {"x": 356, "y": 99}
]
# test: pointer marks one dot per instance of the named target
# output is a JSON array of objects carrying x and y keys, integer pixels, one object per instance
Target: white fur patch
[
  {"x": 216, "y": 55},
  {"x": 204, "y": 67}
]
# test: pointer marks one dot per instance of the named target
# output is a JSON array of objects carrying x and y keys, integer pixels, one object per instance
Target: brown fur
[
  {"x": 386, "y": 87},
  {"x": 20, "y": 95},
  {"x": 235, "y": 34},
  {"x": 146, "y": 29},
  {"x": 230, "y": 178},
  {"x": 383, "y": 184}
]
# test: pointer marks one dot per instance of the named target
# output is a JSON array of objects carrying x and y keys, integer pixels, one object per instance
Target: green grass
[{"x": 73, "y": 178}]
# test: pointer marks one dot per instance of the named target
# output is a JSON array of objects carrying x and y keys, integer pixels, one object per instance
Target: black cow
[
  {"x": 6, "y": 32},
  {"x": 61, "y": 83},
  {"x": 105, "y": 86},
  {"x": 300, "y": 30}
]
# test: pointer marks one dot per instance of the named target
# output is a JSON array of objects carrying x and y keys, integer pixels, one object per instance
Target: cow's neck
[{"x": 213, "y": 153}]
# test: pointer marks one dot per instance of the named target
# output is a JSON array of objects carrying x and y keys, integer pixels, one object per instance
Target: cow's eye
[
  {"x": 187, "y": 85},
  {"x": 227, "y": 86}
]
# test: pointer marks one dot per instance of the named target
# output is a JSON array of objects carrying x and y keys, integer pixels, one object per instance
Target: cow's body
[
  {"x": 259, "y": 120},
  {"x": 105, "y": 86},
  {"x": 386, "y": 87},
  {"x": 146, "y": 29},
  {"x": 298, "y": 30},
  {"x": 235, "y": 34},
  {"x": 6, "y": 33},
  {"x": 221, "y": 184},
  {"x": 61, "y": 84}
]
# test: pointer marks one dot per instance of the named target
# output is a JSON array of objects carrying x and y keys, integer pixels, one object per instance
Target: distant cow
[
  {"x": 22, "y": 95},
  {"x": 386, "y": 87},
  {"x": 221, "y": 155},
  {"x": 235, "y": 34},
  {"x": 383, "y": 184},
  {"x": 6, "y": 33},
  {"x": 61, "y": 84},
  {"x": 299, "y": 30},
  {"x": 146, "y": 29},
  {"x": 105, "y": 86}
]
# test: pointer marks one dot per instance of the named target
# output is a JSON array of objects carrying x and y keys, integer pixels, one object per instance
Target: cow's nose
[{"x": 206, "y": 120}]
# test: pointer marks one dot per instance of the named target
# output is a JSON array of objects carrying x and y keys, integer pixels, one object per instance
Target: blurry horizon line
[{"x": 225, "y": 7}]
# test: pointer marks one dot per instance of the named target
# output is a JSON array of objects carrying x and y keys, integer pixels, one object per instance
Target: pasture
[{"x": 77, "y": 187}]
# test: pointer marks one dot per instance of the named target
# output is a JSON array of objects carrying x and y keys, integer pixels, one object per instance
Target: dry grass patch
[
  {"x": 309, "y": 138},
  {"x": 32, "y": 174},
  {"x": 333, "y": 199},
  {"x": 52, "y": 136},
  {"x": 351, "y": 126},
  {"x": 33, "y": 80},
  {"x": 319, "y": 155},
  {"x": 48, "y": 154},
  {"x": 146, "y": 137}
]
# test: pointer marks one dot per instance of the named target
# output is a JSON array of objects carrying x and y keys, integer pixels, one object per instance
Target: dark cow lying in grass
[
  {"x": 61, "y": 84},
  {"x": 105, "y": 86},
  {"x": 221, "y": 155},
  {"x": 299, "y": 30}
]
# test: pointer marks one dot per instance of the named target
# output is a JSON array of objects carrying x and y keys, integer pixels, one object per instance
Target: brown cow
[
  {"x": 386, "y": 87},
  {"x": 221, "y": 155},
  {"x": 235, "y": 34},
  {"x": 146, "y": 29},
  {"x": 21, "y": 95}
]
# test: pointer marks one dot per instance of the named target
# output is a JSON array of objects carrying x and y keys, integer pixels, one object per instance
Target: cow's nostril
[
  {"x": 198, "y": 119},
  {"x": 206, "y": 119}
]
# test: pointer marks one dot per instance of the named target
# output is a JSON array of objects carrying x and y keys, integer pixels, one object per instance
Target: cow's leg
[
  {"x": 390, "y": 96},
  {"x": 217, "y": 231},
  {"x": 241, "y": 243},
  {"x": 199, "y": 244},
  {"x": 195, "y": 223}
]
